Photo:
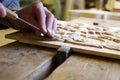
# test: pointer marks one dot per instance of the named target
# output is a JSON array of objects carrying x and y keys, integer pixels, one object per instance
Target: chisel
[{"x": 13, "y": 16}]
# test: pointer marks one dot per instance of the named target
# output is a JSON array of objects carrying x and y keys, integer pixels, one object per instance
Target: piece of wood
[
  {"x": 4, "y": 41},
  {"x": 92, "y": 13},
  {"x": 25, "y": 62},
  {"x": 84, "y": 67},
  {"x": 41, "y": 41}
]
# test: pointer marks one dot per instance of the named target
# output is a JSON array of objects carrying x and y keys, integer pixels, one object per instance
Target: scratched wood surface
[
  {"x": 84, "y": 67},
  {"x": 25, "y": 62}
]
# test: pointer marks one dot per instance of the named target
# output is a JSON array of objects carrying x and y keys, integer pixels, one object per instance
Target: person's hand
[
  {"x": 41, "y": 17},
  {"x": 2, "y": 11}
]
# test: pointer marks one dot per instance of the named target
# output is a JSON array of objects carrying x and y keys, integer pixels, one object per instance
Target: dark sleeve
[{"x": 11, "y": 4}]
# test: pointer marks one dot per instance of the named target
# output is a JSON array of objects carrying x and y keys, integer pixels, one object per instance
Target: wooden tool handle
[{"x": 11, "y": 15}]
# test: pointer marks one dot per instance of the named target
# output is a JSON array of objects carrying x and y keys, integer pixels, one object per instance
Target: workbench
[
  {"x": 20, "y": 61},
  {"x": 93, "y": 13}
]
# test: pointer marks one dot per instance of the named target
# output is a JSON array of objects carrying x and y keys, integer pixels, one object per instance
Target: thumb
[{"x": 2, "y": 11}]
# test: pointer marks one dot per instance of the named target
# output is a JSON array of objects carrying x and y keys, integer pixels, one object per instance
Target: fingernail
[
  {"x": 50, "y": 33},
  {"x": 45, "y": 31}
]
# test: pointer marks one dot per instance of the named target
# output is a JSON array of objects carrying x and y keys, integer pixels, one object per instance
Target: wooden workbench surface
[
  {"x": 22, "y": 61},
  {"x": 84, "y": 67},
  {"x": 19, "y": 61}
]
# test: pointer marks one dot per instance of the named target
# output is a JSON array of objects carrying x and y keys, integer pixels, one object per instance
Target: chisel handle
[{"x": 11, "y": 15}]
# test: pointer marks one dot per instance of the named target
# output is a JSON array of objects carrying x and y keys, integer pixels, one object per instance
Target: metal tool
[{"x": 13, "y": 16}]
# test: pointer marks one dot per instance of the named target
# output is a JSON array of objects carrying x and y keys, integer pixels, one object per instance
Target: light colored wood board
[
  {"x": 22, "y": 61},
  {"x": 4, "y": 41},
  {"x": 78, "y": 67},
  {"x": 36, "y": 40}
]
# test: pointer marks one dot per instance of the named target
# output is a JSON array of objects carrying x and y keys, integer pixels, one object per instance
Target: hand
[
  {"x": 2, "y": 11},
  {"x": 41, "y": 17}
]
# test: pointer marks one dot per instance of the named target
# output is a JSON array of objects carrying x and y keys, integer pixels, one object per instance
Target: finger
[
  {"x": 2, "y": 11},
  {"x": 49, "y": 22},
  {"x": 41, "y": 17},
  {"x": 54, "y": 27}
]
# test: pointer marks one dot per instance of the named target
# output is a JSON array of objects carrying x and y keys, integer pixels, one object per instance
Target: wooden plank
[
  {"x": 25, "y": 62},
  {"x": 36, "y": 40},
  {"x": 79, "y": 67},
  {"x": 3, "y": 32},
  {"x": 92, "y": 13}
]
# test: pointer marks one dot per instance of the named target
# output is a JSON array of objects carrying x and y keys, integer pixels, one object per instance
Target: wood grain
[
  {"x": 79, "y": 67},
  {"x": 25, "y": 62}
]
